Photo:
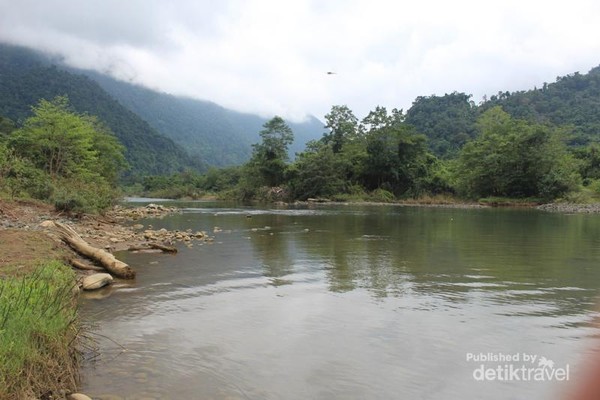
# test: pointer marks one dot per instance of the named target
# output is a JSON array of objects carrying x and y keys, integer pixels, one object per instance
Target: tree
[
  {"x": 515, "y": 158},
  {"x": 447, "y": 121},
  {"x": 342, "y": 125},
  {"x": 317, "y": 172},
  {"x": 6, "y": 126},
  {"x": 65, "y": 144},
  {"x": 396, "y": 160},
  {"x": 270, "y": 156},
  {"x": 78, "y": 155},
  {"x": 379, "y": 118}
]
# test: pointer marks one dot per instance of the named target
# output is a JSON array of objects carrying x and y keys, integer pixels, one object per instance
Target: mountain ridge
[
  {"x": 25, "y": 78},
  {"x": 219, "y": 135}
]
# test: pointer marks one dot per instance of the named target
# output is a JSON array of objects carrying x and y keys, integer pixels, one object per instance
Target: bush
[
  {"x": 72, "y": 195},
  {"x": 382, "y": 196}
]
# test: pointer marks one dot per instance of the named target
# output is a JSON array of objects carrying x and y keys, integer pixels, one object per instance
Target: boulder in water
[{"x": 96, "y": 281}]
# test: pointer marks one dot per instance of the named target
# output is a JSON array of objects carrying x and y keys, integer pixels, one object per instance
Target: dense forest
[{"x": 537, "y": 145}]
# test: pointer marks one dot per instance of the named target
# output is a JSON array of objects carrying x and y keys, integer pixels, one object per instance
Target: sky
[{"x": 271, "y": 57}]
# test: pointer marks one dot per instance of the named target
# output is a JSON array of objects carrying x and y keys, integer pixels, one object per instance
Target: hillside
[
  {"x": 573, "y": 101},
  {"x": 217, "y": 135},
  {"x": 25, "y": 77}
]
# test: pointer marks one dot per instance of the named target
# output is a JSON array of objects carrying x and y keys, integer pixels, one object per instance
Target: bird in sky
[{"x": 331, "y": 73}]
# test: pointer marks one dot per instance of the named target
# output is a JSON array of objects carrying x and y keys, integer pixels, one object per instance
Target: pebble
[{"x": 571, "y": 208}]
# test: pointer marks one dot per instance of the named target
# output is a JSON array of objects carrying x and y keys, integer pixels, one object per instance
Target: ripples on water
[{"x": 348, "y": 303}]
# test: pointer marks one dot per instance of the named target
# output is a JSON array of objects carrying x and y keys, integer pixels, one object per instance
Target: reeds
[{"x": 38, "y": 326}]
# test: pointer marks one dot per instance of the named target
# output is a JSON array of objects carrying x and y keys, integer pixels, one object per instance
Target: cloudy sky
[{"x": 271, "y": 56}]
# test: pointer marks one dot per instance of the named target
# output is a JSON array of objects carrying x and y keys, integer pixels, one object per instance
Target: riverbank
[
  {"x": 39, "y": 345},
  {"x": 571, "y": 208}
]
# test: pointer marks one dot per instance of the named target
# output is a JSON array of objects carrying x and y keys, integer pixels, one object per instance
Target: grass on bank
[{"x": 38, "y": 325}]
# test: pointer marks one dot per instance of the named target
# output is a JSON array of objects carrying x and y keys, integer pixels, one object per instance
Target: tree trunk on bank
[{"x": 104, "y": 258}]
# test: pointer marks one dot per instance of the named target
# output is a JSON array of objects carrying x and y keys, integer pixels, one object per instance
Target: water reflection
[{"x": 350, "y": 302}]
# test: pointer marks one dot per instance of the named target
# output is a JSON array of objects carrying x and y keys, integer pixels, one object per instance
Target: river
[{"x": 352, "y": 302}]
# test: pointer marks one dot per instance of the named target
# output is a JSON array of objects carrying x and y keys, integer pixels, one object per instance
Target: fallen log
[
  {"x": 154, "y": 246},
  {"x": 166, "y": 249},
  {"x": 102, "y": 257},
  {"x": 84, "y": 266}
]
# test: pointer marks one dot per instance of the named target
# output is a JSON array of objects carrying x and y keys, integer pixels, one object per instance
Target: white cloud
[{"x": 270, "y": 57}]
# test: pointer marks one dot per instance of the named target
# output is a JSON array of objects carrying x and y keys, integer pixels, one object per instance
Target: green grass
[{"x": 38, "y": 324}]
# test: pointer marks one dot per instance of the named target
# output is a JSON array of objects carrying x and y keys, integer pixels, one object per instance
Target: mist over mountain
[
  {"x": 162, "y": 133},
  {"x": 217, "y": 135},
  {"x": 26, "y": 77}
]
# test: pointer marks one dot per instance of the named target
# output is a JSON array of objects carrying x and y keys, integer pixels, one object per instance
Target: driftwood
[
  {"x": 104, "y": 258},
  {"x": 166, "y": 249},
  {"x": 84, "y": 266},
  {"x": 155, "y": 246}
]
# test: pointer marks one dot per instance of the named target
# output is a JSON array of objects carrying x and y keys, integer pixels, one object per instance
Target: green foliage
[
  {"x": 572, "y": 100},
  {"x": 19, "y": 177},
  {"x": 6, "y": 127},
  {"x": 589, "y": 161},
  {"x": 188, "y": 184},
  {"x": 317, "y": 172},
  {"x": 396, "y": 159},
  {"x": 68, "y": 159},
  {"x": 82, "y": 196},
  {"x": 382, "y": 196},
  {"x": 447, "y": 121},
  {"x": 28, "y": 77},
  {"x": 342, "y": 125},
  {"x": 514, "y": 158},
  {"x": 61, "y": 143},
  {"x": 37, "y": 326},
  {"x": 269, "y": 157}
]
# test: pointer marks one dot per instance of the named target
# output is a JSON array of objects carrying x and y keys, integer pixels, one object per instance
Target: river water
[{"x": 352, "y": 302}]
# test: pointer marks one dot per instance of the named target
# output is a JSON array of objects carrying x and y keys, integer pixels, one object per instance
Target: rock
[
  {"x": 138, "y": 227},
  {"x": 114, "y": 240},
  {"x": 78, "y": 396},
  {"x": 96, "y": 281}
]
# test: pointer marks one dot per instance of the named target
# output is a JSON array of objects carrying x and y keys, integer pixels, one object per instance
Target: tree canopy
[
  {"x": 72, "y": 159},
  {"x": 515, "y": 158}
]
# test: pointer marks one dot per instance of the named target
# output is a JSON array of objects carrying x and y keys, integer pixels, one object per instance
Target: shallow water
[{"x": 350, "y": 302}]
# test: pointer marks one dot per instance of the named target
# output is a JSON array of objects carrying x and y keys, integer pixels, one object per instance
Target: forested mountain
[
  {"x": 25, "y": 78},
  {"x": 573, "y": 100},
  {"x": 218, "y": 135}
]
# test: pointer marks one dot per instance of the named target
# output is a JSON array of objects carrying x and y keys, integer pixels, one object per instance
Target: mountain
[
  {"x": 219, "y": 136},
  {"x": 572, "y": 101},
  {"x": 26, "y": 77}
]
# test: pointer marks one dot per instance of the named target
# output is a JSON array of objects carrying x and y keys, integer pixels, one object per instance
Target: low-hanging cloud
[{"x": 271, "y": 57}]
